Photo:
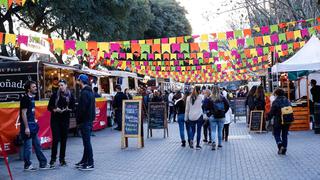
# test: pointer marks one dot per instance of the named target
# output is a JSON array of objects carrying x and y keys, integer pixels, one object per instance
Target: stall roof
[
  {"x": 62, "y": 66},
  {"x": 307, "y": 58},
  {"x": 123, "y": 74},
  {"x": 96, "y": 72}
]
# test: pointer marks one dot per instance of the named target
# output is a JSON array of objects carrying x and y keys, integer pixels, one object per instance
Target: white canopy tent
[{"x": 307, "y": 58}]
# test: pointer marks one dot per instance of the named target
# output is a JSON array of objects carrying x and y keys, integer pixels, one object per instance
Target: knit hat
[{"x": 83, "y": 78}]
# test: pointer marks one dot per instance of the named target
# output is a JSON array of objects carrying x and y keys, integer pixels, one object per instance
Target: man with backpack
[{"x": 281, "y": 112}]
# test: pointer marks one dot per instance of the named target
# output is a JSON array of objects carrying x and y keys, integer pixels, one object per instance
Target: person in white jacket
[{"x": 193, "y": 116}]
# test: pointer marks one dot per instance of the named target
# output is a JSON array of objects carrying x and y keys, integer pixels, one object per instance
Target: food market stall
[
  {"x": 13, "y": 75},
  {"x": 306, "y": 59}
]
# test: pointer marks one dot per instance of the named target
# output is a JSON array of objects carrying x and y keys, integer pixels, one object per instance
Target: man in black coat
[
  {"x": 85, "y": 116},
  {"x": 117, "y": 106}
]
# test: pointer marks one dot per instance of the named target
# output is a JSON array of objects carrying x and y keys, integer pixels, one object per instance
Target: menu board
[
  {"x": 240, "y": 107},
  {"x": 157, "y": 112},
  {"x": 131, "y": 117},
  {"x": 256, "y": 120}
]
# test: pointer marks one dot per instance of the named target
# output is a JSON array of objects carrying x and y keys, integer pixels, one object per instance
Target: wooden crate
[{"x": 301, "y": 119}]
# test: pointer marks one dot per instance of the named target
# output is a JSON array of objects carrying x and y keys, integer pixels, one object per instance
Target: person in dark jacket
[
  {"x": 117, "y": 106},
  {"x": 206, "y": 124},
  {"x": 315, "y": 91},
  {"x": 127, "y": 93},
  {"x": 259, "y": 99},
  {"x": 216, "y": 110},
  {"x": 96, "y": 94},
  {"x": 85, "y": 116},
  {"x": 250, "y": 102},
  {"x": 280, "y": 131},
  {"x": 180, "y": 105},
  {"x": 156, "y": 97},
  {"x": 60, "y": 105}
]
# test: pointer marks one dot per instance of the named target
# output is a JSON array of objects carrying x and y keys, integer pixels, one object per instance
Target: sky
[{"x": 200, "y": 25}]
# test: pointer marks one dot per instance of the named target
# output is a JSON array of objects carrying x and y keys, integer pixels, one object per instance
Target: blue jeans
[
  {"x": 216, "y": 123},
  {"x": 281, "y": 134},
  {"x": 181, "y": 126},
  {"x": 192, "y": 129},
  {"x": 27, "y": 149},
  {"x": 87, "y": 157}
]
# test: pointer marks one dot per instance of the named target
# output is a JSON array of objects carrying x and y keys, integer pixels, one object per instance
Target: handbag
[{"x": 33, "y": 127}]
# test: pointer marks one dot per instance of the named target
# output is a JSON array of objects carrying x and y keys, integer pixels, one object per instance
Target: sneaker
[
  {"x": 209, "y": 142},
  {"x": 30, "y": 168},
  {"x": 183, "y": 143},
  {"x": 52, "y": 164},
  {"x": 63, "y": 163},
  {"x": 79, "y": 165},
  {"x": 213, "y": 146},
  {"x": 191, "y": 144},
  {"x": 198, "y": 147},
  {"x": 46, "y": 167},
  {"x": 280, "y": 147},
  {"x": 219, "y": 146},
  {"x": 205, "y": 140},
  {"x": 284, "y": 151},
  {"x": 86, "y": 168}
]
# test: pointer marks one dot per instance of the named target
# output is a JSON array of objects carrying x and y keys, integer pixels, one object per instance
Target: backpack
[
  {"x": 218, "y": 107},
  {"x": 286, "y": 115}
]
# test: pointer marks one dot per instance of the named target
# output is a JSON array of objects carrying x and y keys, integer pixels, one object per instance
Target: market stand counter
[
  {"x": 301, "y": 119},
  {"x": 10, "y": 124}
]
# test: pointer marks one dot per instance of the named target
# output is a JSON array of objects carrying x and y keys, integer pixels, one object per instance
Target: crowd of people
[{"x": 206, "y": 107}]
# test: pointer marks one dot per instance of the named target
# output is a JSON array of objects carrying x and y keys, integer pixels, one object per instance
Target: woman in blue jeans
[
  {"x": 193, "y": 116},
  {"x": 180, "y": 105},
  {"x": 216, "y": 110}
]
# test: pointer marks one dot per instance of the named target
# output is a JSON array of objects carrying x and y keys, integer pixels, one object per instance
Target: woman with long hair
[
  {"x": 180, "y": 105},
  {"x": 250, "y": 102},
  {"x": 206, "y": 123},
  {"x": 193, "y": 116},
  {"x": 60, "y": 105},
  {"x": 259, "y": 99},
  {"x": 216, "y": 111}
]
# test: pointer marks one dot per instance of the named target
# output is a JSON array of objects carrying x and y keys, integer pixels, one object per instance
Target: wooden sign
[
  {"x": 131, "y": 122},
  {"x": 157, "y": 112},
  {"x": 256, "y": 121}
]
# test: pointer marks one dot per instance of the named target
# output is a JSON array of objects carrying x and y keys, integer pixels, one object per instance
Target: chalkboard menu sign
[
  {"x": 157, "y": 115},
  {"x": 131, "y": 118},
  {"x": 240, "y": 107},
  {"x": 256, "y": 121},
  {"x": 131, "y": 122}
]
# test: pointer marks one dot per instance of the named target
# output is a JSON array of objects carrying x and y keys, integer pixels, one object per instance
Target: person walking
[
  {"x": 171, "y": 107},
  {"x": 117, "y": 106},
  {"x": 216, "y": 110},
  {"x": 206, "y": 123},
  {"x": 225, "y": 130},
  {"x": 85, "y": 116},
  {"x": 29, "y": 129},
  {"x": 60, "y": 105},
  {"x": 193, "y": 116},
  {"x": 180, "y": 104},
  {"x": 280, "y": 127}
]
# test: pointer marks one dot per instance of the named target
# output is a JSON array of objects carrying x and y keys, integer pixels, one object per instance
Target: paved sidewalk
[{"x": 245, "y": 156}]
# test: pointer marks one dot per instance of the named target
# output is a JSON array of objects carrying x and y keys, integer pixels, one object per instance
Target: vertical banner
[
  {"x": 43, "y": 119},
  {"x": 100, "y": 121}
]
